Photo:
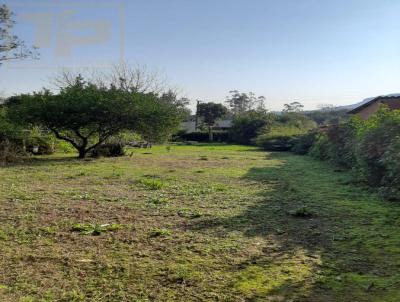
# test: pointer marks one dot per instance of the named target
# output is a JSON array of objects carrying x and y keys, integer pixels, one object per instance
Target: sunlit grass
[{"x": 165, "y": 225}]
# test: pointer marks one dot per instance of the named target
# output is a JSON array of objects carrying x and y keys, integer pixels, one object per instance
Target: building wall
[{"x": 190, "y": 126}]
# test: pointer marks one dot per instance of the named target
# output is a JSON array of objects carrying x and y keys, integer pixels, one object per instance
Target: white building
[{"x": 190, "y": 126}]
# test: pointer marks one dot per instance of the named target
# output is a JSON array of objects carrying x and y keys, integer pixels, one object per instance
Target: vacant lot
[{"x": 194, "y": 223}]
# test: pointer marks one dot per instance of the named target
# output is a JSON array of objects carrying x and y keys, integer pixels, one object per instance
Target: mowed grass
[{"x": 194, "y": 223}]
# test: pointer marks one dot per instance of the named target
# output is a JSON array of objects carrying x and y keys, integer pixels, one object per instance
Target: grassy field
[{"x": 194, "y": 223}]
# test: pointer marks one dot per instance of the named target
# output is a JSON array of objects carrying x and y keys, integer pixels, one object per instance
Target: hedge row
[{"x": 369, "y": 147}]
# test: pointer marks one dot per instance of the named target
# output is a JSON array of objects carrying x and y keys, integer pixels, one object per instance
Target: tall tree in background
[
  {"x": 210, "y": 112},
  {"x": 240, "y": 102},
  {"x": 11, "y": 47},
  {"x": 293, "y": 107}
]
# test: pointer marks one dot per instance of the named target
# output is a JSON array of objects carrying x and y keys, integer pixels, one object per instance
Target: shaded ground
[{"x": 204, "y": 223}]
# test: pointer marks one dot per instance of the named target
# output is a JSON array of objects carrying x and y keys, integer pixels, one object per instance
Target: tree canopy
[
  {"x": 86, "y": 115},
  {"x": 293, "y": 107},
  {"x": 210, "y": 112},
  {"x": 240, "y": 102}
]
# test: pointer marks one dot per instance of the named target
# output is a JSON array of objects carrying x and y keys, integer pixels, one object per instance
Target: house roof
[{"x": 392, "y": 101}]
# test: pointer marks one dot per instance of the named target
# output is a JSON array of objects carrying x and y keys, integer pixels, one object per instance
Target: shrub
[
  {"x": 369, "y": 147},
  {"x": 40, "y": 145},
  {"x": 108, "y": 150},
  {"x": 10, "y": 139},
  {"x": 379, "y": 148},
  {"x": 246, "y": 126},
  {"x": 390, "y": 184},
  {"x": 303, "y": 143},
  {"x": 320, "y": 148},
  {"x": 63, "y": 146},
  {"x": 279, "y": 138},
  {"x": 338, "y": 143},
  {"x": 9, "y": 152}
]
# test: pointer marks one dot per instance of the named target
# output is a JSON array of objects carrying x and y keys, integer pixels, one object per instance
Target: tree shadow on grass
[
  {"x": 49, "y": 161},
  {"x": 320, "y": 240}
]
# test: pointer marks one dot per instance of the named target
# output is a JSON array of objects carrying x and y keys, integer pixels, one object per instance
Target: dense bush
[
  {"x": 111, "y": 149},
  {"x": 305, "y": 142},
  {"x": 279, "y": 138},
  {"x": 321, "y": 147},
  {"x": 390, "y": 184},
  {"x": 378, "y": 151},
  {"x": 369, "y": 147},
  {"x": 40, "y": 145},
  {"x": 10, "y": 142},
  {"x": 338, "y": 143},
  {"x": 63, "y": 146},
  {"x": 9, "y": 152},
  {"x": 246, "y": 126}
]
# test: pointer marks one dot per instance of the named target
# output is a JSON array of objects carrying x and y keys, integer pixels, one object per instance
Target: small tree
[
  {"x": 210, "y": 112},
  {"x": 11, "y": 47},
  {"x": 86, "y": 115}
]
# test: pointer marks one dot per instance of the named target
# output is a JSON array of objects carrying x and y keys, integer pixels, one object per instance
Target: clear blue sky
[{"x": 312, "y": 51}]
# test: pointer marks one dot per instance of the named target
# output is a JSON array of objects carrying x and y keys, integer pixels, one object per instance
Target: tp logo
[{"x": 76, "y": 32}]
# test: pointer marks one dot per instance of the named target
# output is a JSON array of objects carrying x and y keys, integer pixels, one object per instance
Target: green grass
[{"x": 194, "y": 223}]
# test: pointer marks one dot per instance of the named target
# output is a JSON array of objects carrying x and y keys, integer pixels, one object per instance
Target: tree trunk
[
  {"x": 210, "y": 134},
  {"x": 83, "y": 148},
  {"x": 82, "y": 152}
]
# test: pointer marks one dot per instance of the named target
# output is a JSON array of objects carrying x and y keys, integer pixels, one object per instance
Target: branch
[
  {"x": 67, "y": 139},
  {"x": 78, "y": 134},
  {"x": 97, "y": 144}
]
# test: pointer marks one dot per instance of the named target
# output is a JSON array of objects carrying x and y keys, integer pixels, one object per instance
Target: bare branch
[
  {"x": 12, "y": 47},
  {"x": 132, "y": 78}
]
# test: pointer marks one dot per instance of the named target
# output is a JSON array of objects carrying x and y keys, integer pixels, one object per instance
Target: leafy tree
[
  {"x": 86, "y": 115},
  {"x": 239, "y": 102},
  {"x": 171, "y": 97},
  {"x": 11, "y": 47},
  {"x": 293, "y": 107},
  {"x": 246, "y": 126},
  {"x": 210, "y": 112}
]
